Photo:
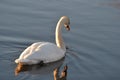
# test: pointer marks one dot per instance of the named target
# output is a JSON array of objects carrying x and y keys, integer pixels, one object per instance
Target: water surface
[{"x": 93, "y": 42}]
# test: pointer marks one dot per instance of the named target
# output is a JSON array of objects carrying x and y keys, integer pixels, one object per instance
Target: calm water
[{"x": 93, "y": 42}]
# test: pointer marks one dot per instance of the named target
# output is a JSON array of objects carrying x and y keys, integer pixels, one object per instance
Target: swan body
[{"x": 46, "y": 51}]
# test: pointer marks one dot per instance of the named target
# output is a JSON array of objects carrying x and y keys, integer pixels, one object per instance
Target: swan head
[{"x": 66, "y": 22}]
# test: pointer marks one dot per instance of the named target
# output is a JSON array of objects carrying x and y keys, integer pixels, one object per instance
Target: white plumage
[
  {"x": 46, "y": 51},
  {"x": 41, "y": 51}
]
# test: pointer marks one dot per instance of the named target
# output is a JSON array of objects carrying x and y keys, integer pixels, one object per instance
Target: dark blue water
[{"x": 93, "y": 42}]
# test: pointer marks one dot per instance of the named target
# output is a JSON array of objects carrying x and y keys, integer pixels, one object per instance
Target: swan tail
[
  {"x": 21, "y": 60},
  {"x": 17, "y": 61},
  {"x": 27, "y": 61}
]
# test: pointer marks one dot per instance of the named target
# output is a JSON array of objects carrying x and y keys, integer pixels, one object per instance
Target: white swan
[{"x": 46, "y": 51}]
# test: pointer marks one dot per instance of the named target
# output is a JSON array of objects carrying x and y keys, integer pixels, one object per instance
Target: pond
[{"x": 93, "y": 42}]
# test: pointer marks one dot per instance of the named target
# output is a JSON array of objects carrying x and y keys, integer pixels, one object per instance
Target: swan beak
[{"x": 68, "y": 28}]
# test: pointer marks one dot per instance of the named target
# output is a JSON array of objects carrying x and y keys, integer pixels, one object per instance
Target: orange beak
[{"x": 68, "y": 27}]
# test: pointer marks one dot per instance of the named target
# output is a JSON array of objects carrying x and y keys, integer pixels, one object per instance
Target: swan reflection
[
  {"x": 63, "y": 75},
  {"x": 43, "y": 69}
]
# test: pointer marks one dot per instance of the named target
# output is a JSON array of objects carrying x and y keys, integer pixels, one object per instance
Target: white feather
[{"x": 45, "y": 51}]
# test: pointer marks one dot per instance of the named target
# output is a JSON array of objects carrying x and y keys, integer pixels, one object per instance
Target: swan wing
[
  {"x": 45, "y": 51},
  {"x": 27, "y": 51}
]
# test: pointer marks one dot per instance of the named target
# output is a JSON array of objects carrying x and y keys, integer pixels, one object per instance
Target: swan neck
[{"x": 59, "y": 39}]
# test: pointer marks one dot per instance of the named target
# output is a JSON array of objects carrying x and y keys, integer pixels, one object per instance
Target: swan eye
[{"x": 67, "y": 27}]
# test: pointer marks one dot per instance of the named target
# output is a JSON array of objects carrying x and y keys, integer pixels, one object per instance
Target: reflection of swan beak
[
  {"x": 64, "y": 72},
  {"x": 63, "y": 75}
]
